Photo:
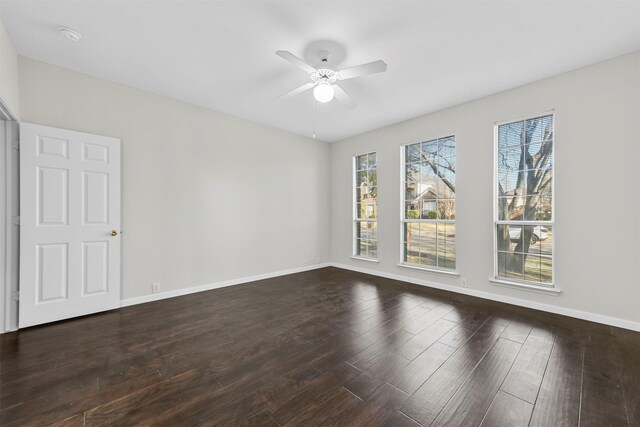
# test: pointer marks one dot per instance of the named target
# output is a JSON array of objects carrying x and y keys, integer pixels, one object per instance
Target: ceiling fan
[{"x": 323, "y": 80}]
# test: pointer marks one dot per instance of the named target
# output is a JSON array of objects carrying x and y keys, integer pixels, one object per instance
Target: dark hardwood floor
[{"x": 325, "y": 347}]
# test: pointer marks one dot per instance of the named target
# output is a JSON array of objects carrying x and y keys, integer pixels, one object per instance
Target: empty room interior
[{"x": 320, "y": 213}]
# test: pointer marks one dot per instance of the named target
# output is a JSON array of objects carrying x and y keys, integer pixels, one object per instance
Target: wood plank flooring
[{"x": 324, "y": 347}]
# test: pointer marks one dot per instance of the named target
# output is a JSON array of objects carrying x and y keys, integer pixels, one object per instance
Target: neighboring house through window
[
  {"x": 366, "y": 206},
  {"x": 429, "y": 204}
]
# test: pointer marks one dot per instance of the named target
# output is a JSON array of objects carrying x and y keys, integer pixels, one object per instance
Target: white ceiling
[{"x": 220, "y": 55}]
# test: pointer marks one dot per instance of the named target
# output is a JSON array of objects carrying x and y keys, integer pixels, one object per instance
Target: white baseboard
[
  {"x": 207, "y": 287},
  {"x": 593, "y": 317},
  {"x": 584, "y": 315}
]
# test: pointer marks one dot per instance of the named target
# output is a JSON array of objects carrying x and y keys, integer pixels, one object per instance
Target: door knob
[{"x": 113, "y": 232}]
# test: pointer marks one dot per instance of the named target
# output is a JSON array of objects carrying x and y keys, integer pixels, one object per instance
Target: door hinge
[
  {"x": 16, "y": 220},
  {"x": 15, "y": 145},
  {"x": 15, "y": 296}
]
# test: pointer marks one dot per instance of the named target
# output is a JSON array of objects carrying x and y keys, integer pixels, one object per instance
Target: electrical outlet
[
  {"x": 155, "y": 287},
  {"x": 464, "y": 282}
]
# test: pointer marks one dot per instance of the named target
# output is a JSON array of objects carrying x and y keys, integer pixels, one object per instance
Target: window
[
  {"x": 366, "y": 206},
  {"x": 429, "y": 205},
  {"x": 524, "y": 201}
]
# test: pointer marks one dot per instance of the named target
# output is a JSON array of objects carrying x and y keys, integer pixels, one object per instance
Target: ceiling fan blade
[
  {"x": 363, "y": 70},
  {"x": 343, "y": 98},
  {"x": 285, "y": 54},
  {"x": 297, "y": 90}
]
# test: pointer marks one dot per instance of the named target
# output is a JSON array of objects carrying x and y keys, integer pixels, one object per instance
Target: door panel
[
  {"x": 95, "y": 267},
  {"x": 96, "y": 198},
  {"x": 52, "y": 271},
  {"x": 53, "y": 200},
  {"x": 70, "y": 202},
  {"x": 53, "y": 147}
]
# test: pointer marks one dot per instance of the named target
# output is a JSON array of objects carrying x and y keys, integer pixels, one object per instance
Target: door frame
[{"x": 9, "y": 220}]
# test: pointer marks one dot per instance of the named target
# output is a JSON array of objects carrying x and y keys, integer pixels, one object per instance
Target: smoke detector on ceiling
[{"x": 71, "y": 34}]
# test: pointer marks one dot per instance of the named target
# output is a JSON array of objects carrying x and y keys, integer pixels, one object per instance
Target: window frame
[
  {"x": 354, "y": 209},
  {"x": 550, "y": 288},
  {"x": 430, "y": 268}
]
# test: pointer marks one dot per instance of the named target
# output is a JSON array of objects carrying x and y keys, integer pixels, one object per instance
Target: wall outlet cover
[{"x": 155, "y": 287}]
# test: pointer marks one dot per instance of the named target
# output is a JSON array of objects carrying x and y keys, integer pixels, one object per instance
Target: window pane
[
  {"x": 509, "y": 237},
  {"x": 362, "y": 245},
  {"x": 371, "y": 161},
  {"x": 412, "y": 242},
  {"x": 447, "y": 208},
  {"x": 447, "y": 245},
  {"x": 539, "y": 154},
  {"x": 450, "y": 163},
  {"x": 360, "y": 194},
  {"x": 412, "y": 153},
  {"x": 449, "y": 180},
  {"x": 411, "y": 191},
  {"x": 502, "y": 264},
  {"x": 361, "y": 178},
  {"x": 361, "y": 162},
  {"x": 428, "y": 244},
  {"x": 530, "y": 208},
  {"x": 515, "y": 266},
  {"x": 546, "y": 239},
  {"x": 427, "y": 174},
  {"x": 538, "y": 208},
  {"x": 532, "y": 268},
  {"x": 429, "y": 206},
  {"x": 372, "y": 177},
  {"x": 546, "y": 270},
  {"x": 538, "y": 262},
  {"x": 430, "y": 148},
  {"x": 510, "y": 159},
  {"x": 373, "y": 249},
  {"x": 372, "y": 211},
  {"x": 507, "y": 181},
  {"x": 545, "y": 188},
  {"x": 367, "y": 230},
  {"x": 447, "y": 147},
  {"x": 511, "y": 208},
  {"x": 539, "y": 129},
  {"x": 510, "y": 134},
  {"x": 412, "y": 172},
  {"x": 412, "y": 210}
]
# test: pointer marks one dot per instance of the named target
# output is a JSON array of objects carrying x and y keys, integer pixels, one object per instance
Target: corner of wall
[{"x": 9, "y": 90}]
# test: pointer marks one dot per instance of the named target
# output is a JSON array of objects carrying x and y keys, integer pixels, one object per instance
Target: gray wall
[
  {"x": 8, "y": 73},
  {"x": 206, "y": 197},
  {"x": 209, "y": 197},
  {"x": 597, "y": 201}
]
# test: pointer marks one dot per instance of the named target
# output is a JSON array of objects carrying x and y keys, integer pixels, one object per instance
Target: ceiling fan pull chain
[{"x": 313, "y": 100}]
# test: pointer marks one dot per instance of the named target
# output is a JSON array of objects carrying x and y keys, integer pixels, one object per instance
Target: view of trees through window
[
  {"x": 366, "y": 206},
  {"x": 430, "y": 204},
  {"x": 524, "y": 231}
]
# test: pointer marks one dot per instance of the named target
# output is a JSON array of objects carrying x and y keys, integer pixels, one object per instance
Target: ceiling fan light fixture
[{"x": 323, "y": 92}]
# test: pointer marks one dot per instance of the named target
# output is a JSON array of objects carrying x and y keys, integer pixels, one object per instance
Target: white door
[{"x": 69, "y": 224}]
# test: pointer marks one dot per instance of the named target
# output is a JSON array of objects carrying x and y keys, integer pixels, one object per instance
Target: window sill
[
  {"x": 449, "y": 273},
  {"x": 526, "y": 287},
  {"x": 360, "y": 258}
]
